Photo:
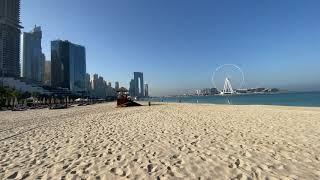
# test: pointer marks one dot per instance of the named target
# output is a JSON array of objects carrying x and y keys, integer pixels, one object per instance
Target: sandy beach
[{"x": 164, "y": 141}]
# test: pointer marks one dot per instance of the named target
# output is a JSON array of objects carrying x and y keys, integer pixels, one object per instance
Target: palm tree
[
  {"x": 16, "y": 95},
  {"x": 5, "y": 93}
]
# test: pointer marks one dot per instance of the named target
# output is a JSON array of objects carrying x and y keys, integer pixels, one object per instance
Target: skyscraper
[
  {"x": 110, "y": 90},
  {"x": 47, "y": 73},
  {"x": 88, "y": 83},
  {"x": 100, "y": 89},
  {"x": 10, "y": 38},
  {"x": 146, "y": 90},
  {"x": 132, "y": 88},
  {"x": 68, "y": 66},
  {"x": 116, "y": 86},
  {"x": 138, "y": 84},
  {"x": 32, "y": 56},
  {"x": 99, "y": 86},
  {"x": 94, "y": 81}
]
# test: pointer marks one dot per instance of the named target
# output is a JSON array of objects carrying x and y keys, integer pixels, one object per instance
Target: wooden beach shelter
[{"x": 123, "y": 99}]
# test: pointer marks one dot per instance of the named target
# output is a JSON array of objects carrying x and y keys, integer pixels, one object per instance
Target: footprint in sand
[
  {"x": 118, "y": 171},
  {"x": 119, "y": 158}
]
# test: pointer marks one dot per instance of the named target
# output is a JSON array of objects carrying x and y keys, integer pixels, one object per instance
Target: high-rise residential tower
[
  {"x": 94, "y": 81},
  {"x": 88, "y": 84},
  {"x": 32, "y": 56},
  {"x": 10, "y": 38},
  {"x": 146, "y": 90},
  {"x": 68, "y": 66},
  {"x": 132, "y": 88},
  {"x": 47, "y": 73},
  {"x": 116, "y": 86},
  {"x": 138, "y": 84},
  {"x": 98, "y": 86}
]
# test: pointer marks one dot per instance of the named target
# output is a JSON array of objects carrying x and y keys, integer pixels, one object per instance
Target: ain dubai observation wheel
[{"x": 228, "y": 78}]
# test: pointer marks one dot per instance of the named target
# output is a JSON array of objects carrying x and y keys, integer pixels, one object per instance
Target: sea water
[{"x": 310, "y": 99}]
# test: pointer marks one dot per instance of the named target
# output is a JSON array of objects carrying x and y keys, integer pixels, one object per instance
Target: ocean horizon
[{"x": 305, "y": 99}]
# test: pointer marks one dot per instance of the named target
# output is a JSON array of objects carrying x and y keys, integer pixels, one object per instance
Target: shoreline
[{"x": 244, "y": 105}]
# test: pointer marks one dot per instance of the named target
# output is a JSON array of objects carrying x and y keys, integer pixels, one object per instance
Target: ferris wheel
[{"x": 228, "y": 78}]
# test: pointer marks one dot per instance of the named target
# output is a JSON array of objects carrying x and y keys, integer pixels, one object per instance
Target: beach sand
[{"x": 164, "y": 141}]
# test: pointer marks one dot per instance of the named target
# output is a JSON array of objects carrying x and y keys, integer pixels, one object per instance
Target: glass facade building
[
  {"x": 68, "y": 66},
  {"x": 10, "y": 38},
  {"x": 32, "y": 56}
]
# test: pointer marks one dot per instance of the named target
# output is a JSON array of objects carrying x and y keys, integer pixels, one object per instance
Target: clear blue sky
[{"x": 179, "y": 43}]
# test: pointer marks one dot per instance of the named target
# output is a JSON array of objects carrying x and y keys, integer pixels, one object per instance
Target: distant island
[{"x": 215, "y": 91}]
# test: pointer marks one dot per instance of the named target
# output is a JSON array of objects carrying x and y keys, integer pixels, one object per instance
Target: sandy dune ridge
[{"x": 164, "y": 141}]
